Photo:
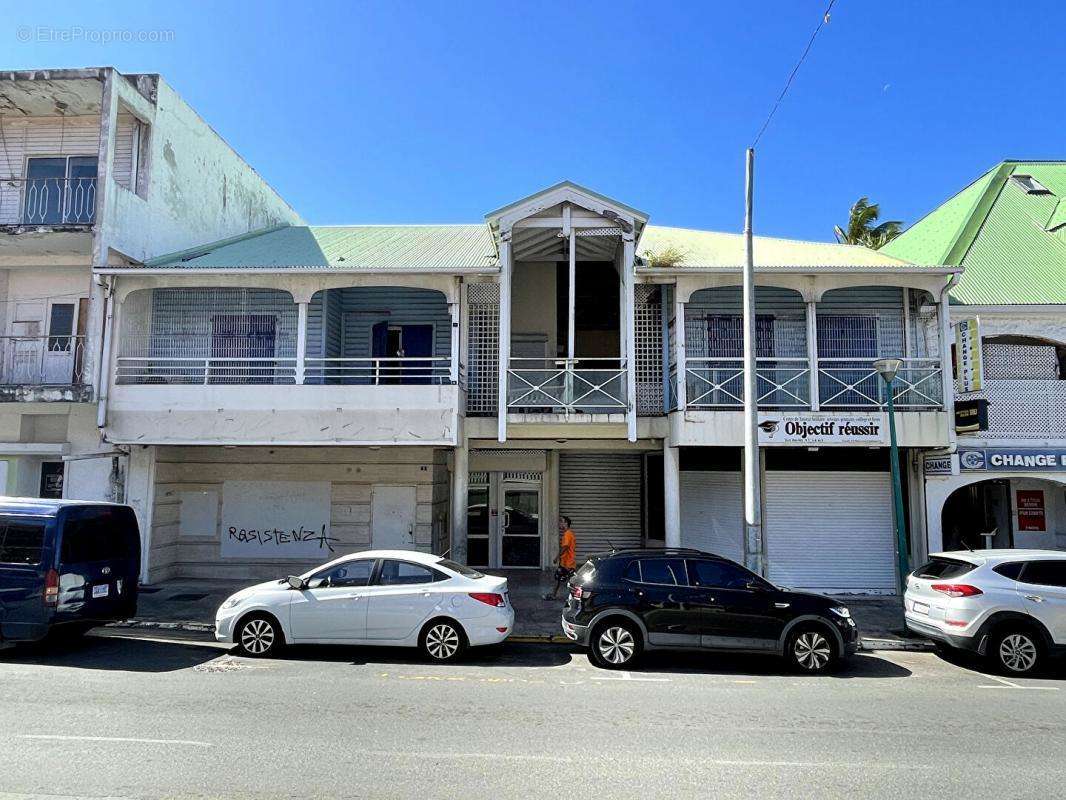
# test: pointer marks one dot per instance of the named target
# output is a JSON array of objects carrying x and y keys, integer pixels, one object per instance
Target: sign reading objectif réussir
[
  {"x": 798, "y": 428},
  {"x": 1003, "y": 459}
]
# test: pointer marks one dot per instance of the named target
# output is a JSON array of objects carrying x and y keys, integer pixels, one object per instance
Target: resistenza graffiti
[{"x": 276, "y": 537}]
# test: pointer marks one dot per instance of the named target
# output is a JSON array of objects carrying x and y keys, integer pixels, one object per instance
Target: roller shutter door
[
  {"x": 830, "y": 531},
  {"x": 601, "y": 495},
  {"x": 712, "y": 513}
]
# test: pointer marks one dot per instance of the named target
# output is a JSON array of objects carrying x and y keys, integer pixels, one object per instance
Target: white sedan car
[{"x": 378, "y": 597}]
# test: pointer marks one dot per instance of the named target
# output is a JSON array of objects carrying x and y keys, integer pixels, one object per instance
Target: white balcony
[
  {"x": 43, "y": 369},
  {"x": 585, "y": 386}
]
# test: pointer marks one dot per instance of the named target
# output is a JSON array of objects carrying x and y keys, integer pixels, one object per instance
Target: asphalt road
[{"x": 149, "y": 717}]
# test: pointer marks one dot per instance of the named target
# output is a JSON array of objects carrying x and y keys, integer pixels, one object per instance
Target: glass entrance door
[
  {"x": 520, "y": 528},
  {"x": 503, "y": 523}
]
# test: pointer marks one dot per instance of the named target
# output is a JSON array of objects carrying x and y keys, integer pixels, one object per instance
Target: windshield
[
  {"x": 945, "y": 568},
  {"x": 455, "y": 566}
]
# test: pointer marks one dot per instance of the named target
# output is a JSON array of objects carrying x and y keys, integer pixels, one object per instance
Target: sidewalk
[{"x": 190, "y": 605}]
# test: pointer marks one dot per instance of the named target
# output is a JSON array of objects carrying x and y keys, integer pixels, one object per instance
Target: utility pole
[{"x": 753, "y": 539}]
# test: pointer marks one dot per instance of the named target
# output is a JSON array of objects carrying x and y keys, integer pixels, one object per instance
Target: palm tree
[{"x": 862, "y": 228}]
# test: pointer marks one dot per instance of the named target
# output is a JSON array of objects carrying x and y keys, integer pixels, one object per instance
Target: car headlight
[
  {"x": 232, "y": 601},
  {"x": 841, "y": 611}
]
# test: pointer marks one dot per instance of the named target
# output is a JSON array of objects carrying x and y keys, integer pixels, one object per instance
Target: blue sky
[{"x": 441, "y": 111}]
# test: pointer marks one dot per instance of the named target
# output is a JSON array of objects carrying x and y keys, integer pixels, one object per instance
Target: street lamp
[{"x": 887, "y": 368}]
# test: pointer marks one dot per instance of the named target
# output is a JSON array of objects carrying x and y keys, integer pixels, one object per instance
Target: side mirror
[{"x": 296, "y": 582}]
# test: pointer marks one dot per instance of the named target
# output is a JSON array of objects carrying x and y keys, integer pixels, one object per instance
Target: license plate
[
  {"x": 101, "y": 590},
  {"x": 920, "y": 608}
]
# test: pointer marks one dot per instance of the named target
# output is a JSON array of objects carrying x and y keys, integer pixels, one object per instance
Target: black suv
[{"x": 624, "y": 602}]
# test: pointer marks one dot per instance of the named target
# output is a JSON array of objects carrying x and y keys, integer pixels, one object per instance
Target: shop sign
[
  {"x": 799, "y": 428},
  {"x": 276, "y": 520},
  {"x": 1031, "y": 510},
  {"x": 1004, "y": 459},
  {"x": 969, "y": 366},
  {"x": 971, "y": 415},
  {"x": 938, "y": 465}
]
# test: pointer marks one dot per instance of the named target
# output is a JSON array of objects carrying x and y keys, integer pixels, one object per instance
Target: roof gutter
[
  {"x": 295, "y": 270},
  {"x": 790, "y": 269}
]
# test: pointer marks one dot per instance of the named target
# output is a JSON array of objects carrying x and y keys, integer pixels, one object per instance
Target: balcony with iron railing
[
  {"x": 578, "y": 386},
  {"x": 43, "y": 368},
  {"x": 37, "y": 202}
]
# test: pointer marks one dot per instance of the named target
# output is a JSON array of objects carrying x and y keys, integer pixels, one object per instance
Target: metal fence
[
  {"x": 432, "y": 370},
  {"x": 848, "y": 383},
  {"x": 47, "y": 201},
  {"x": 42, "y": 360},
  {"x": 719, "y": 383},
  {"x": 563, "y": 386}
]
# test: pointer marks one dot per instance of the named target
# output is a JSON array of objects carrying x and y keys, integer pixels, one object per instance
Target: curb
[{"x": 867, "y": 643}]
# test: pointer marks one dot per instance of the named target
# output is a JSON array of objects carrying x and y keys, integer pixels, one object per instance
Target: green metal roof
[
  {"x": 454, "y": 248},
  {"x": 392, "y": 248},
  {"x": 1011, "y": 242},
  {"x": 712, "y": 249}
]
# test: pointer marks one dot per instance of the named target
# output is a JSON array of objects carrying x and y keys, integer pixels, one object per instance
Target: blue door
[
  {"x": 417, "y": 342},
  {"x": 26, "y": 557}
]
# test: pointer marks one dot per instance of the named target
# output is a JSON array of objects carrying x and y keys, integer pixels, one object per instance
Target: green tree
[{"x": 863, "y": 228}]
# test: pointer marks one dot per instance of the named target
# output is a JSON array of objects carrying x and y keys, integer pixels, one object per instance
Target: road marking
[
  {"x": 126, "y": 739},
  {"x": 1005, "y": 684},
  {"x": 625, "y": 675}
]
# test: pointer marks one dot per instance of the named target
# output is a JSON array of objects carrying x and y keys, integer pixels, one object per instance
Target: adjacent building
[
  {"x": 1005, "y": 486},
  {"x": 300, "y": 391},
  {"x": 98, "y": 169}
]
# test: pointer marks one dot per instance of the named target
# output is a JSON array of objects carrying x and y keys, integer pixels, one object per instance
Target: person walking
[{"x": 566, "y": 559}]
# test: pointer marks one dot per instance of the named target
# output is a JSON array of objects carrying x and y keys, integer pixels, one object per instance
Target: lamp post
[{"x": 887, "y": 369}]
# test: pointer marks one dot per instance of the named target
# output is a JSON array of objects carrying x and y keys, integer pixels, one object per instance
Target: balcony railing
[
  {"x": 566, "y": 386},
  {"x": 184, "y": 370},
  {"x": 712, "y": 383},
  {"x": 431, "y": 370},
  {"x": 848, "y": 383},
  {"x": 42, "y": 360},
  {"x": 47, "y": 201},
  {"x": 1026, "y": 409}
]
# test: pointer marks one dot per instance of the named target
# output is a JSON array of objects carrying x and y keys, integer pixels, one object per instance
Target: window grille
[
  {"x": 649, "y": 345},
  {"x": 1020, "y": 362},
  {"x": 483, "y": 335},
  {"x": 210, "y": 335}
]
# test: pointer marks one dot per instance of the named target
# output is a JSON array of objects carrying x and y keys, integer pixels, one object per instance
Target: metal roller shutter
[
  {"x": 600, "y": 493},
  {"x": 712, "y": 513},
  {"x": 830, "y": 531}
]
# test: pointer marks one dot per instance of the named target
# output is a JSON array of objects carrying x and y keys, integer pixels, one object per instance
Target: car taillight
[
  {"x": 956, "y": 589},
  {"x": 489, "y": 599},
  {"x": 577, "y": 592},
  {"x": 51, "y": 588}
]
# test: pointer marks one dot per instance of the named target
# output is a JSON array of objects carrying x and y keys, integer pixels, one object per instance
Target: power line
[{"x": 795, "y": 69}]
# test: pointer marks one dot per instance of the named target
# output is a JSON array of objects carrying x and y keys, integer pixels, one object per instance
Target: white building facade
[
  {"x": 97, "y": 169},
  {"x": 307, "y": 391}
]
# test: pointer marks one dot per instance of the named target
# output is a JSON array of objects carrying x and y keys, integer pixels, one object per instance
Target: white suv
[{"x": 1007, "y": 605}]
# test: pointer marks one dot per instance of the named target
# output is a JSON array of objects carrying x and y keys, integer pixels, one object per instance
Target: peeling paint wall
[{"x": 199, "y": 189}]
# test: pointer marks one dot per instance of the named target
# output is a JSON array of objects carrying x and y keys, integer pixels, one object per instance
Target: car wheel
[
  {"x": 811, "y": 650},
  {"x": 442, "y": 641},
  {"x": 1016, "y": 651},
  {"x": 259, "y": 636},
  {"x": 615, "y": 645}
]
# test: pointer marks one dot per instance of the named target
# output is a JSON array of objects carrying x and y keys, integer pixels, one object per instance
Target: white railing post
[
  {"x": 682, "y": 356},
  {"x": 505, "y": 334},
  {"x": 812, "y": 353},
  {"x": 301, "y": 341},
  {"x": 453, "y": 373}
]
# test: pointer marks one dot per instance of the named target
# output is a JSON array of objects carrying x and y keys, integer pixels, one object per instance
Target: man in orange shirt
[{"x": 567, "y": 558}]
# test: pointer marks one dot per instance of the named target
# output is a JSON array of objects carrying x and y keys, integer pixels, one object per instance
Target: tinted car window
[
  {"x": 462, "y": 569},
  {"x": 1044, "y": 573},
  {"x": 943, "y": 568},
  {"x": 1009, "y": 570},
  {"x": 351, "y": 573},
  {"x": 21, "y": 542},
  {"x": 718, "y": 574},
  {"x": 399, "y": 573},
  {"x": 632, "y": 572},
  {"x": 669, "y": 571},
  {"x": 98, "y": 535}
]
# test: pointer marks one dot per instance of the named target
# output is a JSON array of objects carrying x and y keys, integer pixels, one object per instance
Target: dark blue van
[{"x": 65, "y": 562}]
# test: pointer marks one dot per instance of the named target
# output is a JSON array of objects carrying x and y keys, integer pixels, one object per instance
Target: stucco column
[
  {"x": 672, "y": 494},
  {"x": 460, "y": 488},
  {"x": 681, "y": 358},
  {"x": 301, "y": 340},
  {"x": 140, "y": 493},
  {"x": 812, "y": 352},
  {"x": 453, "y": 367},
  {"x": 629, "y": 322},
  {"x": 504, "y": 335}
]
